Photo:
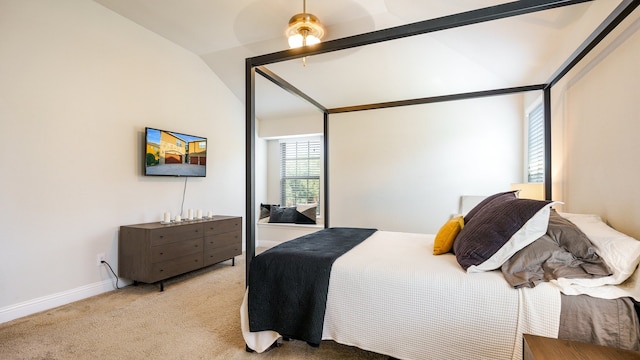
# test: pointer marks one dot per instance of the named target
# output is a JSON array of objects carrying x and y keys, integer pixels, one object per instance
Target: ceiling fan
[{"x": 304, "y": 29}]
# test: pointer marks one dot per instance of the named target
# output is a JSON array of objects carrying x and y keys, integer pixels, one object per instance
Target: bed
[
  {"x": 391, "y": 295},
  {"x": 388, "y": 293}
]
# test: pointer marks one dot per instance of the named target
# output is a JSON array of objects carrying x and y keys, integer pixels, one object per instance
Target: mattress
[{"x": 390, "y": 295}]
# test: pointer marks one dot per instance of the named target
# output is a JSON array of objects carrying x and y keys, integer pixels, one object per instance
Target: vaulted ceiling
[{"x": 516, "y": 51}]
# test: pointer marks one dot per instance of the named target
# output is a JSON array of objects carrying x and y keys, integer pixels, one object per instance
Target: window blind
[
  {"x": 535, "y": 153},
  {"x": 300, "y": 167}
]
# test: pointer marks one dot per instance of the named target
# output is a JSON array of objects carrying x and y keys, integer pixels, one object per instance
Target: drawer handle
[
  {"x": 161, "y": 236},
  {"x": 161, "y": 253}
]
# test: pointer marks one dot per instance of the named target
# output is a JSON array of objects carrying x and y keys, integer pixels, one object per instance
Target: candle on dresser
[
  {"x": 209, "y": 214},
  {"x": 178, "y": 218},
  {"x": 190, "y": 214},
  {"x": 167, "y": 217},
  {"x": 199, "y": 214}
]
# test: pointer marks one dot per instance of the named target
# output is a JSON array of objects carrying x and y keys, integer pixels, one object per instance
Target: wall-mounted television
[{"x": 170, "y": 153}]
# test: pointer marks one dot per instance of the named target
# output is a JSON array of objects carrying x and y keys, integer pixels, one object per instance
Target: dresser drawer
[
  {"x": 223, "y": 226},
  {"x": 175, "y": 233},
  {"x": 218, "y": 254},
  {"x": 230, "y": 238},
  {"x": 177, "y": 266},
  {"x": 174, "y": 250}
]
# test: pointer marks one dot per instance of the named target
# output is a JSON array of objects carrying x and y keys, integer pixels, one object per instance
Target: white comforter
[{"x": 390, "y": 295}]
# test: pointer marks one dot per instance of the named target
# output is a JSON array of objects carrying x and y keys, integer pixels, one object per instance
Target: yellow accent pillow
[{"x": 447, "y": 234}]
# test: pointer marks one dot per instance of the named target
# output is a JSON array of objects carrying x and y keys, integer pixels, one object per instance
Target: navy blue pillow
[
  {"x": 483, "y": 203},
  {"x": 283, "y": 215},
  {"x": 492, "y": 226},
  {"x": 290, "y": 215}
]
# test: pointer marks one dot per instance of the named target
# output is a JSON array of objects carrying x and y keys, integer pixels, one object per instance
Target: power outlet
[{"x": 100, "y": 258}]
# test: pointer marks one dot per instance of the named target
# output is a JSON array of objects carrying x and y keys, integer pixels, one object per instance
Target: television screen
[{"x": 169, "y": 153}]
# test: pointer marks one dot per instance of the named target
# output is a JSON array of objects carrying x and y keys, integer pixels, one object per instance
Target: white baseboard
[
  {"x": 271, "y": 234},
  {"x": 48, "y": 302},
  {"x": 268, "y": 243}
]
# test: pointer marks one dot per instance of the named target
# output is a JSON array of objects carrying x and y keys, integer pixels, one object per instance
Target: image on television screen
[{"x": 168, "y": 153}]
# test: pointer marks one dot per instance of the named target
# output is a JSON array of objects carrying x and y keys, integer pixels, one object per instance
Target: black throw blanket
[{"x": 288, "y": 284}]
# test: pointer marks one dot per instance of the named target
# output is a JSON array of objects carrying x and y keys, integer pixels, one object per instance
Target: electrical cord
[
  {"x": 184, "y": 192},
  {"x": 114, "y": 274}
]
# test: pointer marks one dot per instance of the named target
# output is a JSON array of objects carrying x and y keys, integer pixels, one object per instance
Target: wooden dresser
[
  {"x": 153, "y": 252},
  {"x": 543, "y": 348}
]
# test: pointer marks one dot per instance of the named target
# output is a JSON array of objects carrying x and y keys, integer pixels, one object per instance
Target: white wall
[
  {"x": 596, "y": 131},
  {"x": 291, "y": 126},
  {"x": 79, "y": 84},
  {"x": 262, "y": 170},
  {"x": 404, "y": 169},
  {"x": 273, "y": 173}
]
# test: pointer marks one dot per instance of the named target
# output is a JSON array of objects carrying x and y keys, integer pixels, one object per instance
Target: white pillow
[
  {"x": 580, "y": 217},
  {"x": 533, "y": 229},
  {"x": 304, "y": 207},
  {"x": 621, "y": 252}
]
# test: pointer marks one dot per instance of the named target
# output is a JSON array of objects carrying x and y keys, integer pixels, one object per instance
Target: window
[
  {"x": 300, "y": 163},
  {"x": 535, "y": 145}
]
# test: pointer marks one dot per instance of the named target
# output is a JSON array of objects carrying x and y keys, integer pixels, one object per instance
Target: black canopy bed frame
[
  {"x": 303, "y": 319},
  {"x": 257, "y": 65}
]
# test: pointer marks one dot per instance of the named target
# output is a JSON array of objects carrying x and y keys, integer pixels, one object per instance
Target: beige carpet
[{"x": 196, "y": 317}]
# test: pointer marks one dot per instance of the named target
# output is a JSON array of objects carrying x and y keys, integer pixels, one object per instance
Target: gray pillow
[
  {"x": 564, "y": 251},
  {"x": 265, "y": 210}
]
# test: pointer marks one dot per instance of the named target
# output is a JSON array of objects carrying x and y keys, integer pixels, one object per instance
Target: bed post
[
  {"x": 326, "y": 169},
  {"x": 250, "y": 160},
  {"x": 547, "y": 142}
]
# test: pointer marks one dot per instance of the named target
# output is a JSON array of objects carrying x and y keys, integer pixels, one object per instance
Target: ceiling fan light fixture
[
  {"x": 295, "y": 41},
  {"x": 304, "y": 29}
]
